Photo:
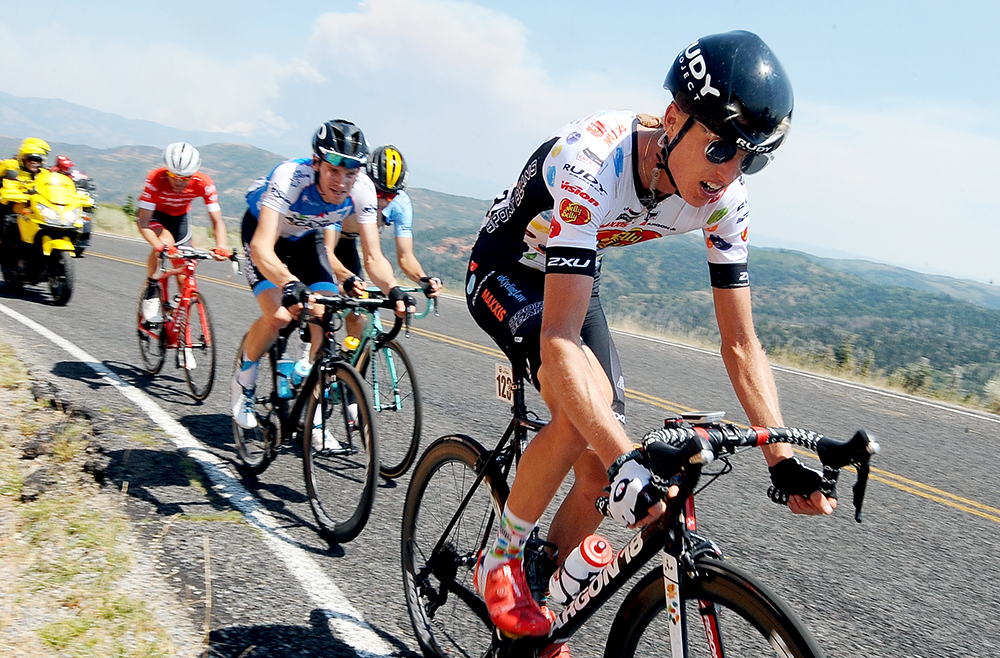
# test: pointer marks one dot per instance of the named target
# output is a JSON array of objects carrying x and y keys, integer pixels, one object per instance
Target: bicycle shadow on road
[
  {"x": 280, "y": 641},
  {"x": 168, "y": 385}
]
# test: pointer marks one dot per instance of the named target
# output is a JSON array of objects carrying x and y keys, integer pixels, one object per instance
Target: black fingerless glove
[
  {"x": 349, "y": 282},
  {"x": 396, "y": 293},
  {"x": 294, "y": 292},
  {"x": 425, "y": 284},
  {"x": 791, "y": 477}
]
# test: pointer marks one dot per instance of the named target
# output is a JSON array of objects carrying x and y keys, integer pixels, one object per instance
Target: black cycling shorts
[
  {"x": 305, "y": 257},
  {"x": 507, "y": 304},
  {"x": 178, "y": 225},
  {"x": 346, "y": 252}
]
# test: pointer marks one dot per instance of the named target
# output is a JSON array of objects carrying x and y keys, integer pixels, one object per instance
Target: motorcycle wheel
[{"x": 60, "y": 277}]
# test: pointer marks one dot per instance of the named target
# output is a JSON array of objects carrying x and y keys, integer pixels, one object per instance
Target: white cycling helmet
[{"x": 181, "y": 159}]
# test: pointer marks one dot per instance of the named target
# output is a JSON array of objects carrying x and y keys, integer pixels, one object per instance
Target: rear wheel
[
  {"x": 61, "y": 275},
  {"x": 448, "y": 616},
  {"x": 152, "y": 339},
  {"x": 727, "y": 613},
  {"x": 340, "y": 445},
  {"x": 197, "y": 357},
  {"x": 396, "y": 401},
  {"x": 258, "y": 447}
]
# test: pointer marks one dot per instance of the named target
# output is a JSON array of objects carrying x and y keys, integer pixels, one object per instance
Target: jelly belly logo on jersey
[
  {"x": 578, "y": 191},
  {"x": 550, "y": 176},
  {"x": 718, "y": 243},
  {"x": 572, "y": 212},
  {"x": 636, "y": 235},
  {"x": 499, "y": 312},
  {"x": 694, "y": 70}
]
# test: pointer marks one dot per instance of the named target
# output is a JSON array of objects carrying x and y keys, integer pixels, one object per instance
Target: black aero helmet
[
  {"x": 387, "y": 169},
  {"x": 734, "y": 85},
  {"x": 341, "y": 143}
]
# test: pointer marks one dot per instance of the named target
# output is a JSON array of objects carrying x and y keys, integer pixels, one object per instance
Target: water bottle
[
  {"x": 302, "y": 367},
  {"x": 284, "y": 369},
  {"x": 351, "y": 343},
  {"x": 586, "y": 561}
]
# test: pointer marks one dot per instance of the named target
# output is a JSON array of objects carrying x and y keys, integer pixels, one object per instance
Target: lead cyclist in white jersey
[{"x": 601, "y": 182}]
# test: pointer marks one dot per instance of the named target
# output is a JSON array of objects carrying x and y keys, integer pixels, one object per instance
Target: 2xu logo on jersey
[{"x": 600, "y": 581}]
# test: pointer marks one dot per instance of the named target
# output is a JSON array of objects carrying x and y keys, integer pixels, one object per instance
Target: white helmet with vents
[{"x": 181, "y": 159}]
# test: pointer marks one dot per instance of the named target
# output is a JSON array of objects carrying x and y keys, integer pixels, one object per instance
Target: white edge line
[
  {"x": 344, "y": 620},
  {"x": 829, "y": 380}
]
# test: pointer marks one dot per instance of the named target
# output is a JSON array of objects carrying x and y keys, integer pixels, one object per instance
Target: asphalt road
[{"x": 918, "y": 578}]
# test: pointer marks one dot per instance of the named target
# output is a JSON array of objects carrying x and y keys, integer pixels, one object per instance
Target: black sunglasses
[
  {"x": 35, "y": 158},
  {"x": 719, "y": 152}
]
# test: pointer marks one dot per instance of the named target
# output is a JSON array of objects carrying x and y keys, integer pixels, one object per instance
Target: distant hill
[
  {"x": 120, "y": 172},
  {"x": 930, "y": 332},
  {"x": 55, "y": 119}
]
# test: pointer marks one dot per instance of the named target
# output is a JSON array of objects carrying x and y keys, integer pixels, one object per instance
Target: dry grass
[{"x": 66, "y": 558}]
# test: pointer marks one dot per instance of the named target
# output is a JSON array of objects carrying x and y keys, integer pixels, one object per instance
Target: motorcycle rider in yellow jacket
[{"x": 20, "y": 171}]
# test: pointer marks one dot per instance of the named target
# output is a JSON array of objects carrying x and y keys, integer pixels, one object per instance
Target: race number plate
[{"x": 505, "y": 383}]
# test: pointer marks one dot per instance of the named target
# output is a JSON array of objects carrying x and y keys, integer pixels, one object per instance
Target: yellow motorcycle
[{"x": 40, "y": 236}]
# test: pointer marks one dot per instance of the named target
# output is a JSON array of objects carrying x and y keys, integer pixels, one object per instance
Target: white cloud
[
  {"x": 905, "y": 185},
  {"x": 156, "y": 80},
  {"x": 459, "y": 79}
]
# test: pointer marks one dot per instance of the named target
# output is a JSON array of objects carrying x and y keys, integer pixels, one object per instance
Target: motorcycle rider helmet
[
  {"x": 63, "y": 164},
  {"x": 341, "y": 143},
  {"x": 34, "y": 149},
  {"x": 734, "y": 85},
  {"x": 181, "y": 159},
  {"x": 387, "y": 169}
]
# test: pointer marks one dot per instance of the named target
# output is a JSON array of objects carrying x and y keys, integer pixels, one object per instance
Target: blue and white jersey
[
  {"x": 290, "y": 190},
  {"x": 399, "y": 215}
]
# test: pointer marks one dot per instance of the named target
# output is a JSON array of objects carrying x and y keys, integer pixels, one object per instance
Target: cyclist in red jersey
[{"x": 163, "y": 213}]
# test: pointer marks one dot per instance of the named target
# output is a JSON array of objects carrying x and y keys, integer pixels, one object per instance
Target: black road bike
[
  {"x": 327, "y": 413},
  {"x": 457, "y": 494}
]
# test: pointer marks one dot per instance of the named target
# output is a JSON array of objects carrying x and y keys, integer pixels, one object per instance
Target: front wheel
[
  {"x": 257, "y": 447},
  {"x": 340, "y": 446},
  {"x": 61, "y": 277},
  {"x": 728, "y": 614},
  {"x": 152, "y": 338},
  {"x": 448, "y": 616},
  {"x": 396, "y": 401},
  {"x": 196, "y": 348}
]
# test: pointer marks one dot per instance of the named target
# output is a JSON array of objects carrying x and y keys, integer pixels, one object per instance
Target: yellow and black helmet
[{"x": 387, "y": 169}]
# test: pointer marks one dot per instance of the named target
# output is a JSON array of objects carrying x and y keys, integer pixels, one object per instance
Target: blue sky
[{"x": 891, "y": 157}]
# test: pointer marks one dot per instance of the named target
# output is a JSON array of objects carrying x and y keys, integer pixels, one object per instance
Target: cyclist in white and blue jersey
[{"x": 288, "y": 237}]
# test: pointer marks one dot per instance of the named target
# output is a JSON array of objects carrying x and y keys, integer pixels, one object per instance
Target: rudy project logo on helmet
[{"x": 696, "y": 67}]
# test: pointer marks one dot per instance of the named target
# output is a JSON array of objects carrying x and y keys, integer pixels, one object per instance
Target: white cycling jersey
[{"x": 580, "y": 194}]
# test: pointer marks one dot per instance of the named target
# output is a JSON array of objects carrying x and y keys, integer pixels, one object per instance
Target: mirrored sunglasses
[
  {"x": 346, "y": 161},
  {"x": 719, "y": 152},
  {"x": 176, "y": 177}
]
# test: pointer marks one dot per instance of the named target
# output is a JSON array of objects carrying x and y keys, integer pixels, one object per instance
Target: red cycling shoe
[
  {"x": 512, "y": 608},
  {"x": 555, "y": 651}
]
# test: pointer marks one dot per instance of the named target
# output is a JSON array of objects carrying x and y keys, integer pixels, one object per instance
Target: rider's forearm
[
  {"x": 380, "y": 270},
  {"x": 753, "y": 382},
  {"x": 219, "y": 228},
  {"x": 411, "y": 267},
  {"x": 269, "y": 265}
]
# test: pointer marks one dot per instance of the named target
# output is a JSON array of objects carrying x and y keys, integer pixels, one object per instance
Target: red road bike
[{"x": 186, "y": 326}]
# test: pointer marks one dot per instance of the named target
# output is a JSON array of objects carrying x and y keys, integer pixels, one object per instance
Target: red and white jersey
[
  {"x": 159, "y": 193},
  {"x": 580, "y": 192}
]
